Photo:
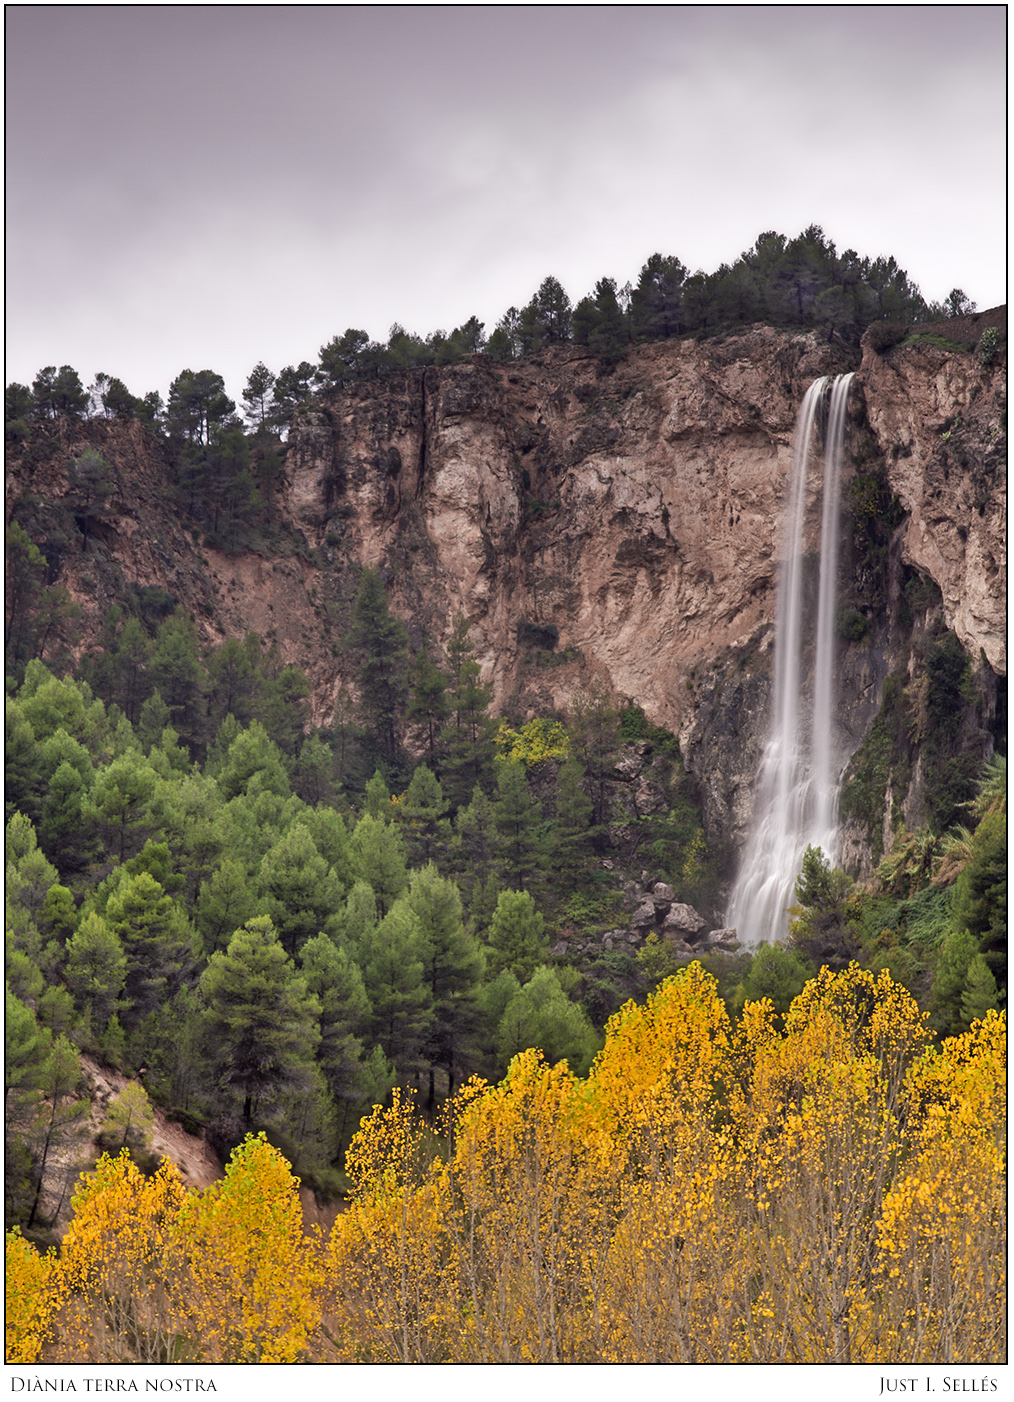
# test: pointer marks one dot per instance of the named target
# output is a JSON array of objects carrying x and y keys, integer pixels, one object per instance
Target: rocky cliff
[{"x": 620, "y": 527}]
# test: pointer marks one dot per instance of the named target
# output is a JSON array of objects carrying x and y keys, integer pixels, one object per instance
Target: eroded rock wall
[{"x": 620, "y": 527}]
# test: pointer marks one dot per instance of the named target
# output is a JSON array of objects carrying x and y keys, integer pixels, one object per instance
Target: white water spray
[{"x": 798, "y": 780}]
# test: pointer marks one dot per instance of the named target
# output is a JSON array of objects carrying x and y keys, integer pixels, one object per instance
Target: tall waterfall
[{"x": 796, "y": 802}]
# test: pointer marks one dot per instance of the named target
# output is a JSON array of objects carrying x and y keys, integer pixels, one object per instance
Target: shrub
[{"x": 989, "y": 345}]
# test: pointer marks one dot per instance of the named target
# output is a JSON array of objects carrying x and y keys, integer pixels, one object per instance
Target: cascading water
[{"x": 798, "y": 780}]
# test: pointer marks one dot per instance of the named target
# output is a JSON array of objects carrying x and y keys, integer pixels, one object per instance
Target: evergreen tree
[
  {"x": 573, "y": 834},
  {"x": 158, "y": 940},
  {"x": 122, "y": 671},
  {"x": 263, "y": 1020},
  {"x": 452, "y": 969},
  {"x": 541, "y": 1015},
  {"x": 26, "y": 1048},
  {"x": 233, "y": 682},
  {"x": 950, "y": 975},
  {"x": 331, "y": 838},
  {"x": 176, "y": 670},
  {"x": 420, "y": 813},
  {"x": 391, "y": 957},
  {"x": 381, "y": 642},
  {"x": 57, "y": 392},
  {"x": 63, "y": 1119},
  {"x": 96, "y": 970},
  {"x": 337, "y": 983},
  {"x": 518, "y": 819},
  {"x": 377, "y": 799},
  {"x": 505, "y": 343},
  {"x": 979, "y": 993},
  {"x": 656, "y": 301},
  {"x": 197, "y": 406},
  {"x": 119, "y": 806},
  {"x": 298, "y": 889},
  {"x": 313, "y": 773},
  {"x": 377, "y": 856},
  {"x": 284, "y": 709},
  {"x": 427, "y": 705},
  {"x": 822, "y": 932},
  {"x": 476, "y": 840},
  {"x": 25, "y": 577},
  {"x": 253, "y": 764},
  {"x": 468, "y": 737},
  {"x": 226, "y": 902},
  {"x": 357, "y": 919},
  {"x": 294, "y": 386},
  {"x": 257, "y": 395},
  {"x": 516, "y": 935}
]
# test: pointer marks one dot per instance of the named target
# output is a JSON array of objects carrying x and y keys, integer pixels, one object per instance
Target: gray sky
[{"x": 209, "y": 186}]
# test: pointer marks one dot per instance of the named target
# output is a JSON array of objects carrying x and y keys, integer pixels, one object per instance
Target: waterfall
[{"x": 796, "y": 802}]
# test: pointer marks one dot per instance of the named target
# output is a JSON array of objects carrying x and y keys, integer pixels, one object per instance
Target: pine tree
[
  {"x": 391, "y": 957},
  {"x": 592, "y": 729},
  {"x": 452, "y": 969},
  {"x": 516, "y": 935},
  {"x": 377, "y": 798},
  {"x": 979, "y": 993},
  {"x": 337, "y": 983},
  {"x": 381, "y": 642},
  {"x": 420, "y": 813},
  {"x": 541, "y": 1015},
  {"x": 467, "y": 739},
  {"x": 573, "y": 835},
  {"x": 264, "y": 1022},
  {"x": 158, "y": 940},
  {"x": 119, "y": 807},
  {"x": 62, "y": 1118},
  {"x": 476, "y": 841},
  {"x": 377, "y": 856},
  {"x": 96, "y": 969},
  {"x": 175, "y": 668},
  {"x": 518, "y": 820},
  {"x": 298, "y": 889},
  {"x": 428, "y": 706}
]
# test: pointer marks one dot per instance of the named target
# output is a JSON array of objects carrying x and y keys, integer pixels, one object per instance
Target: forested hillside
[{"x": 342, "y": 770}]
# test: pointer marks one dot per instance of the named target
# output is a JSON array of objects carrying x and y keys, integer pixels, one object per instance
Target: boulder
[
  {"x": 644, "y": 915},
  {"x": 682, "y": 921}
]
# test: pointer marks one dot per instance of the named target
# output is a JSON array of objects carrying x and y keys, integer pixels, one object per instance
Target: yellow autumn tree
[
  {"x": 386, "y": 1292},
  {"x": 940, "y": 1276},
  {"x": 121, "y": 1273},
  {"x": 658, "y": 1090},
  {"x": 530, "y": 1201},
  {"x": 28, "y": 1299},
  {"x": 828, "y": 1188},
  {"x": 253, "y": 1275},
  {"x": 816, "y": 1137}
]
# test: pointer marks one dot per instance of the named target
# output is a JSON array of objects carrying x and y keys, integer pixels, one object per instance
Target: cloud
[{"x": 218, "y": 185}]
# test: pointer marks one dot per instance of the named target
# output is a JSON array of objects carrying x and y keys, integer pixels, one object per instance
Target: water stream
[{"x": 797, "y": 786}]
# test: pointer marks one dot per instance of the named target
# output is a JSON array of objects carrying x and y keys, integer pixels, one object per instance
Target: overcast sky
[{"x": 209, "y": 186}]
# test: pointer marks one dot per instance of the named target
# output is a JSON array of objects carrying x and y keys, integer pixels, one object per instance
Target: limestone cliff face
[
  {"x": 939, "y": 418},
  {"x": 622, "y": 527},
  {"x": 626, "y": 527},
  {"x": 628, "y": 521}
]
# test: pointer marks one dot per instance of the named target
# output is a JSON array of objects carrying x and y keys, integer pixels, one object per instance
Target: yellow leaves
[
  {"x": 253, "y": 1273},
  {"x": 535, "y": 742},
  {"x": 832, "y": 1192},
  {"x": 28, "y": 1303}
]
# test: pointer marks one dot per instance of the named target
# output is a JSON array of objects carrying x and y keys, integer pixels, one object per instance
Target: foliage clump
[{"x": 827, "y": 1188}]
